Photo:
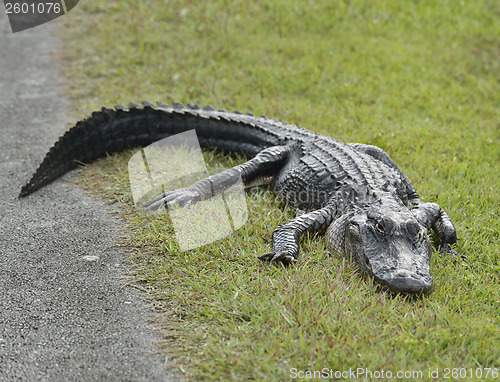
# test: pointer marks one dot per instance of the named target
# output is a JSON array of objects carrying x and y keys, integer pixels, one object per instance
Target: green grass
[{"x": 419, "y": 79}]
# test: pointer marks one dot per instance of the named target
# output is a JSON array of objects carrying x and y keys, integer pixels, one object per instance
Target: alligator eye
[{"x": 380, "y": 228}]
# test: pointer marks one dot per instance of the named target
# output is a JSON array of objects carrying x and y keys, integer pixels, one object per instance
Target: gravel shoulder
[{"x": 66, "y": 313}]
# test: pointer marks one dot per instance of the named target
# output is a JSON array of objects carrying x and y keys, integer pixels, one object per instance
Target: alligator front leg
[
  {"x": 264, "y": 166},
  {"x": 286, "y": 237},
  {"x": 431, "y": 215}
]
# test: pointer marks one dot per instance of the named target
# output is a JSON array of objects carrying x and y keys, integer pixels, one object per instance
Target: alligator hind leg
[
  {"x": 264, "y": 167},
  {"x": 286, "y": 237}
]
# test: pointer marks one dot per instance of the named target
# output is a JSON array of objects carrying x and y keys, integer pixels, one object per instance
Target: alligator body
[{"x": 370, "y": 211}]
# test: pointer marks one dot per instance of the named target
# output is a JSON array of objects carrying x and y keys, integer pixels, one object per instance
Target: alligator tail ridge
[{"x": 112, "y": 130}]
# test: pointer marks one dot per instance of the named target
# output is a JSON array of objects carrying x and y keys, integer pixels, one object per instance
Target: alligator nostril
[{"x": 403, "y": 274}]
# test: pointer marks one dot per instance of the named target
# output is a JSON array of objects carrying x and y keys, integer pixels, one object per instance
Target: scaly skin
[{"x": 354, "y": 192}]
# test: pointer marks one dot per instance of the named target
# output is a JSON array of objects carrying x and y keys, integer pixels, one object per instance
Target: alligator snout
[
  {"x": 403, "y": 271},
  {"x": 409, "y": 285}
]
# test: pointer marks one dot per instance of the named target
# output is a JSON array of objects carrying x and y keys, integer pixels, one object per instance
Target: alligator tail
[{"x": 113, "y": 130}]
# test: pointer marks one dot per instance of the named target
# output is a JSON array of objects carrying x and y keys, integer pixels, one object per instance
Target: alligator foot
[
  {"x": 182, "y": 197},
  {"x": 203, "y": 189},
  {"x": 446, "y": 249},
  {"x": 283, "y": 257}
]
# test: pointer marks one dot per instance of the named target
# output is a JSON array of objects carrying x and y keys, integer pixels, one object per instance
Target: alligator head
[{"x": 389, "y": 245}]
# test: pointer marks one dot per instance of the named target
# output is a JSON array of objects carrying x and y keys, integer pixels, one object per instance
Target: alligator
[{"x": 354, "y": 192}]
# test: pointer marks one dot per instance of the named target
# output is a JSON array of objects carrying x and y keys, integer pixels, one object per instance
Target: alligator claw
[
  {"x": 283, "y": 257},
  {"x": 447, "y": 250},
  {"x": 181, "y": 198}
]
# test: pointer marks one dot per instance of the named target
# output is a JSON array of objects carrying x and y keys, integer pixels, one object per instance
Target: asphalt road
[{"x": 64, "y": 316}]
